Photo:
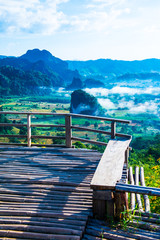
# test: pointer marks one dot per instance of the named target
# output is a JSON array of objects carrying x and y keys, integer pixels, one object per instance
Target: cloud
[
  {"x": 103, "y": 95},
  {"x": 103, "y": 92},
  {"x": 125, "y": 104},
  {"x": 46, "y": 16},
  {"x": 150, "y": 106},
  {"x": 97, "y": 92},
  {"x": 108, "y": 3},
  {"x": 31, "y": 16},
  {"x": 106, "y": 103},
  {"x": 101, "y": 16},
  {"x": 124, "y": 90}
]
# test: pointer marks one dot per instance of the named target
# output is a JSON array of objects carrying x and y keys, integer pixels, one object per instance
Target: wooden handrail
[
  {"x": 110, "y": 167},
  {"x": 68, "y": 114},
  {"x": 108, "y": 172},
  {"x": 68, "y": 127},
  {"x": 121, "y": 187}
]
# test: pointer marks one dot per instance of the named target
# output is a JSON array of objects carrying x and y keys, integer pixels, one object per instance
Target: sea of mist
[{"x": 132, "y": 99}]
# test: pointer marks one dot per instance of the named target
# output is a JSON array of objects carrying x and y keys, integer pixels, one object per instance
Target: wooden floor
[
  {"x": 146, "y": 227},
  {"x": 44, "y": 192}
]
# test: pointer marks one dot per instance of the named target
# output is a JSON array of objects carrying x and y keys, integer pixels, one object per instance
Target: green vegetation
[
  {"x": 146, "y": 153},
  {"x": 84, "y": 103}
]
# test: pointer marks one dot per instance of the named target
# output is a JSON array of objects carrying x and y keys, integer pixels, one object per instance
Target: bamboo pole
[
  {"x": 131, "y": 179},
  {"x": 68, "y": 123},
  {"x": 28, "y": 130},
  {"x": 138, "y": 197},
  {"x": 146, "y": 198},
  {"x": 113, "y": 129}
]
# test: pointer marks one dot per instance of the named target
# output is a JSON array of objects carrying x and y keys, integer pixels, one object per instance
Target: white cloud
[
  {"x": 103, "y": 92},
  {"x": 124, "y": 90},
  {"x": 32, "y": 16},
  {"x": 101, "y": 16},
  {"x": 97, "y": 92},
  {"x": 124, "y": 104},
  {"x": 106, "y": 103},
  {"x": 150, "y": 106}
]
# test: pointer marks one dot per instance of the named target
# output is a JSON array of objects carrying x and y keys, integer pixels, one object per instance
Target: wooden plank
[
  {"x": 68, "y": 123},
  {"x": 131, "y": 179},
  {"x": 137, "y": 189},
  {"x": 48, "y": 137},
  {"x": 146, "y": 198},
  {"x": 65, "y": 114},
  {"x": 90, "y": 130},
  {"x": 110, "y": 167},
  {"x": 138, "y": 196},
  {"x": 99, "y": 118},
  {"x": 28, "y": 130},
  {"x": 113, "y": 129},
  {"x": 89, "y": 141},
  {"x": 42, "y": 236},
  {"x": 48, "y": 125},
  {"x": 45, "y": 193}
]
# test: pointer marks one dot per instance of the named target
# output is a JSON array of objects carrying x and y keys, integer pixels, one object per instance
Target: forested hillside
[
  {"x": 108, "y": 67},
  {"x": 33, "y": 73}
]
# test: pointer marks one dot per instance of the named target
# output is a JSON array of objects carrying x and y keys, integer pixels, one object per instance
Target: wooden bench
[{"x": 109, "y": 171}]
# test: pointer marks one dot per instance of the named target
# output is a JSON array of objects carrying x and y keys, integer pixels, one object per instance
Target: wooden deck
[
  {"x": 145, "y": 227},
  {"x": 45, "y": 192}
]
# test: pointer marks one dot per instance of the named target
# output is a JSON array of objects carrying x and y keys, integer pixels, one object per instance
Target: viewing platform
[{"x": 60, "y": 192}]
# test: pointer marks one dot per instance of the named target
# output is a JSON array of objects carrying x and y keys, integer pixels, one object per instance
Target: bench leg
[
  {"x": 103, "y": 204},
  {"x": 121, "y": 204}
]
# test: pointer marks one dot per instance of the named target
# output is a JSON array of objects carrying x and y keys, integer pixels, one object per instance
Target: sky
[{"x": 81, "y": 29}]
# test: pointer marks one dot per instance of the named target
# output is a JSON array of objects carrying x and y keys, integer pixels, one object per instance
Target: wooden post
[
  {"x": 131, "y": 179},
  {"x": 103, "y": 204},
  {"x": 146, "y": 198},
  {"x": 138, "y": 196},
  {"x": 28, "y": 130},
  {"x": 126, "y": 157},
  {"x": 68, "y": 123},
  {"x": 121, "y": 202},
  {"x": 113, "y": 129}
]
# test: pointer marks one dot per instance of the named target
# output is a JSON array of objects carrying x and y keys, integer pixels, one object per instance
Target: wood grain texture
[
  {"x": 146, "y": 198},
  {"x": 45, "y": 192},
  {"x": 110, "y": 167}
]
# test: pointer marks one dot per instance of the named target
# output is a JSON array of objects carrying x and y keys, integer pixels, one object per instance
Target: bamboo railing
[{"x": 68, "y": 127}]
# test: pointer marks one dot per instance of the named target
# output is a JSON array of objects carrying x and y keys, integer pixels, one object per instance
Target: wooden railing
[
  {"x": 109, "y": 183},
  {"x": 68, "y": 127},
  {"x": 108, "y": 173}
]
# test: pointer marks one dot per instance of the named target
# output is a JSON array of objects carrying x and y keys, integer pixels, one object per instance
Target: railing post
[
  {"x": 28, "y": 130},
  {"x": 68, "y": 124},
  {"x": 113, "y": 129}
]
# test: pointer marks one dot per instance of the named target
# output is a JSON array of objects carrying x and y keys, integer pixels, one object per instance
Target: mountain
[
  {"x": 108, "y": 67},
  {"x": 92, "y": 83},
  {"x": 42, "y": 67},
  {"x": 84, "y": 103},
  {"x": 140, "y": 76},
  {"x": 2, "y": 56},
  {"x": 44, "y": 71},
  {"x": 45, "y": 62},
  {"x": 76, "y": 84},
  {"x": 15, "y": 81}
]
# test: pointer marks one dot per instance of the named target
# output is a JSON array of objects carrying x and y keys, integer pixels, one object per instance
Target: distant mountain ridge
[
  {"x": 108, "y": 67},
  {"x": 44, "y": 72},
  {"x": 37, "y": 63}
]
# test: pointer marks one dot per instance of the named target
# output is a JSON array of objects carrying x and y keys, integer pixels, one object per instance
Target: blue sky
[{"x": 81, "y": 29}]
